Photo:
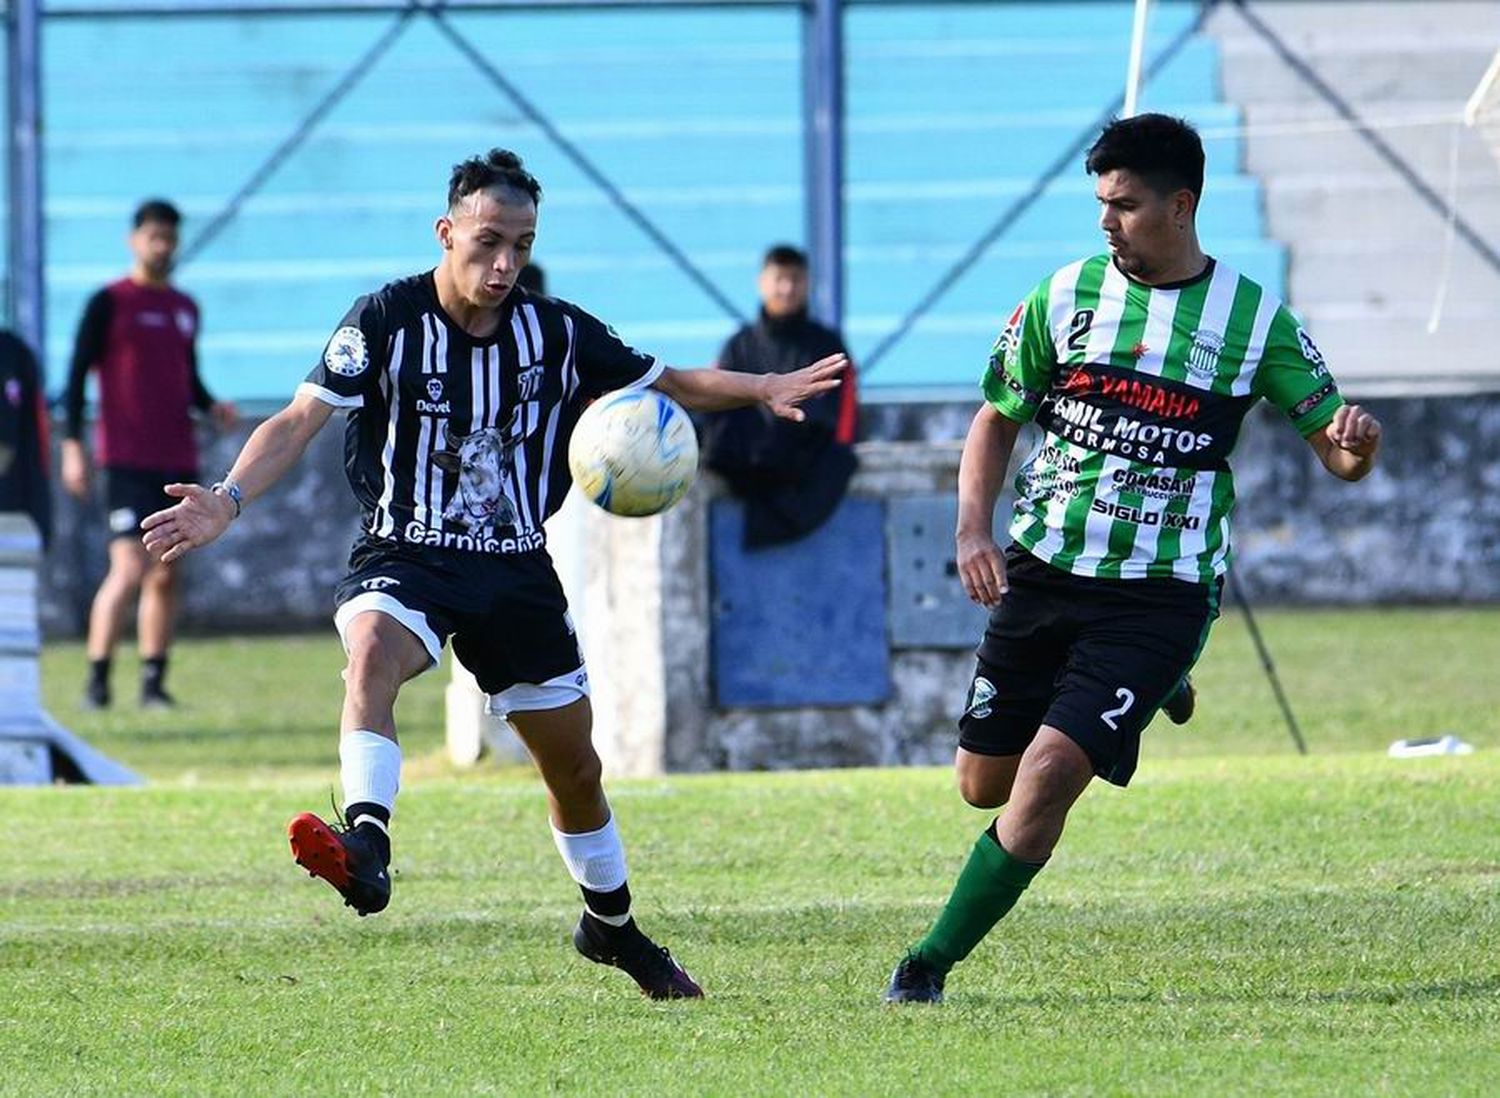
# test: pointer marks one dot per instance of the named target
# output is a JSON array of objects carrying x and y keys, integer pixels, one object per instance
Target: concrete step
[
  {"x": 1308, "y": 206},
  {"x": 1330, "y": 23},
  {"x": 1364, "y": 347},
  {"x": 1367, "y": 53},
  {"x": 1363, "y": 77},
  {"x": 1311, "y": 139},
  {"x": 1375, "y": 273}
]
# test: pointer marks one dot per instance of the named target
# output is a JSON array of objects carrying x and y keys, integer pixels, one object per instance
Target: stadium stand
[
  {"x": 1370, "y": 256},
  {"x": 953, "y": 110}
]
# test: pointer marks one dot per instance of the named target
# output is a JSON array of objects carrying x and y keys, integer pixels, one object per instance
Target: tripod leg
[{"x": 1265, "y": 661}]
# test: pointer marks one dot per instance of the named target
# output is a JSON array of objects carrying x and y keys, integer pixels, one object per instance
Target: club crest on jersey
[
  {"x": 1203, "y": 356},
  {"x": 434, "y": 388},
  {"x": 530, "y": 382},
  {"x": 347, "y": 355}
]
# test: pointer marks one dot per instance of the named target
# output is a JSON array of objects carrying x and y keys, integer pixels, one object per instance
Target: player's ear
[
  {"x": 443, "y": 229},
  {"x": 1184, "y": 205}
]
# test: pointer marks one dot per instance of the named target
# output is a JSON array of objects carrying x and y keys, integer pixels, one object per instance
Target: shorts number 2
[{"x": 1127, "y": 699}]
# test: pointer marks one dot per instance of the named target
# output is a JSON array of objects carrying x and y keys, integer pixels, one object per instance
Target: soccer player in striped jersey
[
  {"x": 1138, "y": 365},
  {"x": 462, "y": 389}
]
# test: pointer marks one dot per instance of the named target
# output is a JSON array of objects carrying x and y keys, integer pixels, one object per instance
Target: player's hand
[
  {"x": 1355, "y": 430},
  {"x": 224, "y": 414},
  {"x": 75, "y": 469},
  {"x": 200, "y": 518},
  {"x": 981, "y": 569},
  {"x": 784, "y": 392}
]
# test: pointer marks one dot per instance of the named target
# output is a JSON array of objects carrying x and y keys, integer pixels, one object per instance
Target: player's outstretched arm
[
  {"x": 1348, "y": 445},
  {"x": 202, "y": 515},
  {"x": 717, "y": 390},
  {"x": 981, "y": 472}
]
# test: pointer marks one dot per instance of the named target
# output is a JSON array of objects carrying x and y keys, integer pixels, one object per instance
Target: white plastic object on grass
[{"x": 1437, "y": 745}]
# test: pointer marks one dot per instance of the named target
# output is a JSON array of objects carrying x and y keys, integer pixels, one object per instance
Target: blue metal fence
[{"x": 693, "y": 114}]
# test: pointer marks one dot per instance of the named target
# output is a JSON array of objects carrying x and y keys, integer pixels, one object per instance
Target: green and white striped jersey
[{"x": 1140, "y": 392}]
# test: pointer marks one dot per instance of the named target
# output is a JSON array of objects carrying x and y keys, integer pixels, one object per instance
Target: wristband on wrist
[{"x": 230, "y": 489}]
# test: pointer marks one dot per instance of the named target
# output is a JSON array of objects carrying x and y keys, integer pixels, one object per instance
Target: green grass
[{"x": 1240, "y": 921}]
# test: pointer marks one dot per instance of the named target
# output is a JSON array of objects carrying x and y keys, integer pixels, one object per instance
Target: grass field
[{"x": 1241, "y": 921}]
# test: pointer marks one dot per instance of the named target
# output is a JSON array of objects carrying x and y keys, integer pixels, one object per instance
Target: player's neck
[
  {"x": 480, "y": 321},
  {"x": 143, "y": 277},
  {"x": 1183, "y": 267}
]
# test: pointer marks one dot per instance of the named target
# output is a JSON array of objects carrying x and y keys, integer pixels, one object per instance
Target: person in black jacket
[
  {"x": 24, "y": 456},
  {"x": 791, "y": 475}
]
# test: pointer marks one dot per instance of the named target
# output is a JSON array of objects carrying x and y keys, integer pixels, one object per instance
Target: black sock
[
  {"x": 99, "y": 672},
  {"x": 375, "y": 835},
  {"x": 612, "y": 904},
  {"x": 153, "y": 675}
]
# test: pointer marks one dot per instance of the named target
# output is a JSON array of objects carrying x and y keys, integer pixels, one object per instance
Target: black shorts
[
  {"x": 132, "y": 494},
  {"x": 506, "y": 613},
  {"x": 1094, "y": 658}
]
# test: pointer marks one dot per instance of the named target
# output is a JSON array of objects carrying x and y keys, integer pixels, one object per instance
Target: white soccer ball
[{"x": 634, "y": 452}]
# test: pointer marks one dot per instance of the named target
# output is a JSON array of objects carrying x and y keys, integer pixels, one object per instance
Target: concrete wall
[
  {"x": 1425, "y": 527},
  {"x": 273, "y": 572}
]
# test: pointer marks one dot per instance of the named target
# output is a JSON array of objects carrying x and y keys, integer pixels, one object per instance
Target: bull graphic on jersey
[{"x": 484, "y": 461}]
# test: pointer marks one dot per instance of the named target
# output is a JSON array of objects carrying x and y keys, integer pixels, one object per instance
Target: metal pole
[
  {"x": 1270, "y": 669},
  {"x": 823, "y": 133},
  {"x": 1137, "y": 53},
  {"x": 24, "y": 150}
]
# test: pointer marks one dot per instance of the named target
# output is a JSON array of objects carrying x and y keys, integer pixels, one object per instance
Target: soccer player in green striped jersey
[{"x": 1139, "y": 365}]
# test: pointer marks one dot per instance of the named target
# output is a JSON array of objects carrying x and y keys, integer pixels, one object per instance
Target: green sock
[{"x": 989, "y": 886}]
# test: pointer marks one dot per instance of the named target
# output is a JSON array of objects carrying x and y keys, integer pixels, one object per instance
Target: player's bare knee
[
  {"x": 1057, "y": 764},
  {"x": 979, "y": 791},
  {"x": 125, "y": 576},
  {"x": 577, "y": 779},
  {"x": 374, "y": 663}
]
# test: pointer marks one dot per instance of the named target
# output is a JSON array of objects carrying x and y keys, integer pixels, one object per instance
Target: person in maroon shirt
[{"x": 138, "y": 335}]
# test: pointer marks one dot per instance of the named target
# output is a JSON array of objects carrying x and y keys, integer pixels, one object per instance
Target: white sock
[
  {"x": 596, "y": 860},
  {"x": 370, "y": 769}
]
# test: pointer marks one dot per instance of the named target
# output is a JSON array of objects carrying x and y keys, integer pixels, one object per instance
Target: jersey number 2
[
  {"x": 1078, "y": 329},
  {"x": 1127, "y": 699}
]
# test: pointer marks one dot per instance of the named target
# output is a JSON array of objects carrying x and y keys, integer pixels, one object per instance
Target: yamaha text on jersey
[{"x": 1140, "y": 392}]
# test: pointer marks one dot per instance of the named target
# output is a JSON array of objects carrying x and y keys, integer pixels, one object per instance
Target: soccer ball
[{"x": 634, "y": 452}]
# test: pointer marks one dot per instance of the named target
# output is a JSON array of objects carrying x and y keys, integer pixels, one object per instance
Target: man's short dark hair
[
  {"x": 1165, "y": 152},
  {"x": 785, "y": 255},
  {"x": 158, "y": 211},
  {"x": 496, "y": 168}
]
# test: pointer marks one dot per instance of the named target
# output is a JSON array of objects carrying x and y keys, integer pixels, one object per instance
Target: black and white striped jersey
[{"x": 459, "y": 442}]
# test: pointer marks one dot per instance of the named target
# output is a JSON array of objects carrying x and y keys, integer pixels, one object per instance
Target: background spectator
[
  {"x": 791, "y": 475},
  {"x": 23, "y": 435},
  {"x": 139, "y": 334}
]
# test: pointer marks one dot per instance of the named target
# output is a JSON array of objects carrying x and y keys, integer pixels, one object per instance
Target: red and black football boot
[
  {"x": 342, "y": 857},
  {"x": 626, "y": 948}
]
